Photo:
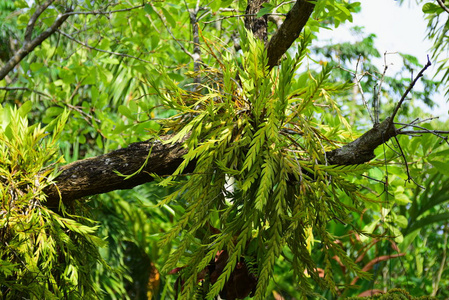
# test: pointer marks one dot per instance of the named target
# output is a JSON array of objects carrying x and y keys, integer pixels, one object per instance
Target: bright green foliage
[
  {"x": 261, "y": 169},
  {"x": 43, "y": 255},
  {"x": 438, "y": 26},
  {"x": 261, "y": 190}
]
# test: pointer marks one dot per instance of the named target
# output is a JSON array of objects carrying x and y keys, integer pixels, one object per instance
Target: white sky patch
[{"x": 398, "y": 29}]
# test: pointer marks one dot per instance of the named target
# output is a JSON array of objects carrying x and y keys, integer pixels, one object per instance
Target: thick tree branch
[
  {"x": 258, "y": 26},
  {"x": 289, "y": 31},
  {"x": 98, "y": 175}
]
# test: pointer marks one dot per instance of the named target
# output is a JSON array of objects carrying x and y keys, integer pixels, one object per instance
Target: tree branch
[
  {"x": 30, "y": 26},
  {"x": 98, "y": 175},
  {"x": 99, "y": 12},
  {"x": 409, "y": 88},
  {"x": 5, "y": 88},
  {"x": 362, "y": 149},
  {"x": 289, "y": 31},
  {"x": 258, "y": 26},
  {"x": 100, "y": 50},
  {"x": 30, "y": 45},
  {"x": 444, "y": 7}
]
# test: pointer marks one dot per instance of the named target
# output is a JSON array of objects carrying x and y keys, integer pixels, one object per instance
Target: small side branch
[
  {"x": 409, "y": 177},
  {"x": 100, "y": 50},
  {"x": 99, "y": 12},
  {"x": 29, "y": 46},
  {"x": 444, "y": 7},
  {"x": 164, "y": 21},
  {"x": 410, "y": 87},
  {"x": 23, "y": 89}
]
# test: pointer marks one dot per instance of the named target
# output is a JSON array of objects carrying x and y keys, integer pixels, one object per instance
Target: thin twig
[
  {"x": 23, "y": 89},
  {"x": 444, "y": 7},
  {"x": 164, "y": 21},
  {"x": 359, "y": 86},
  {"x": 409, "y": 177},
  {"x": 425, "y": 130},
  {"x": 371, "y": 178},
  {"x": 100, "y": 50},
  {"x": 410, "y": 87},
  {"x": 414, "y": 122},
  {"x": 99, "y": 12}
]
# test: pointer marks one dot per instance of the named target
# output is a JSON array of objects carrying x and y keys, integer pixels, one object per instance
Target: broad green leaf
[
  {"x": 25, "y": 109},
  {"x": 126, "y": 112},
  {"x": 442, "y": 167},
  {"x": 149, "y": 9},
  {"x": 168, "y": 16},
  {"x": 431, "y": 8},
  {"x": 401, "y": 198},
  {"x": 266, "y": 9}
]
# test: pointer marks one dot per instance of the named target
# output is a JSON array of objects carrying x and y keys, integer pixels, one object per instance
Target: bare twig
[
  {"x": 409, "y": 177},
  {"x": 100, "y": 50},
  {"x": 23, "y": 89},
  {"x": 30, "y": 44},
  {"x": 425, "y": 131},
  {"x": 414, "y": 122},
  {"x": 444, "y": 7},
  {"x": 164, "y": 21},
  {"x": 437, "y": 133},
  {"x": 410, "y": 87},
  {"x": 371, "y": 178},
  {"x": 357, "y": 80}
]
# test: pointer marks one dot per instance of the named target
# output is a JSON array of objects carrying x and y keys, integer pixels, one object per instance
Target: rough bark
[
  {"x": 362, "y": 149},
  {"x": 98, "y": 175},
  {"x": 289, "y": 31},
  {"x": 258, "y": 26}
]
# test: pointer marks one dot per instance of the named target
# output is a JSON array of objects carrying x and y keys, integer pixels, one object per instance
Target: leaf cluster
[
  {"x": 43, "y": 254},
  {"x": 261, "y": 187}
]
